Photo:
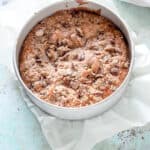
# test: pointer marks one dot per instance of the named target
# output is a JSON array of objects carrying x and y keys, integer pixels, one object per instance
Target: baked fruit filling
[{"x": 74, "y": 58}]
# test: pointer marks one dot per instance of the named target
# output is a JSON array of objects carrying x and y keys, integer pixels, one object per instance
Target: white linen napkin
[
  {"x": 132, "y": 110},
  {"x": 143, "y": 3}
]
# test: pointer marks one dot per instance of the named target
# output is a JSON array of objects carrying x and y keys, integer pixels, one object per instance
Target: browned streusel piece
[{"x": 74, "y": 58}]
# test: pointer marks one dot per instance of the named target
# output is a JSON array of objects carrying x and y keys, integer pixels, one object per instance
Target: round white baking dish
[{"x": 86, "y": 111}]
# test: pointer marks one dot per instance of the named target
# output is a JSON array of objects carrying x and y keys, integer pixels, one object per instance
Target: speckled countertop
[{"x": 19, "y": 130}]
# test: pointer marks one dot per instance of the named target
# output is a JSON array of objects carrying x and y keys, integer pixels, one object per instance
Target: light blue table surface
[
  {"x": 134, "y": 139},
  {"x": 19, "y": 130}
]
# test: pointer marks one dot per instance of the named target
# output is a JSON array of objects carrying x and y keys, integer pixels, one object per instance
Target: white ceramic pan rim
[{"x": 69, "y": 112}]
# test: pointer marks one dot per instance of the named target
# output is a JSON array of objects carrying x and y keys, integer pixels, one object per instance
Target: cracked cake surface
[{"x": 74, "y": 58}]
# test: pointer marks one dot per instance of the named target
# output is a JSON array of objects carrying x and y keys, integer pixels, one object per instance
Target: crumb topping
[{"x": 74, "y": 58}]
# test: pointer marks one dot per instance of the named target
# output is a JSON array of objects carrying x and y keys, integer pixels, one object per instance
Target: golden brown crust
[{"x": 74, "y": 58}]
